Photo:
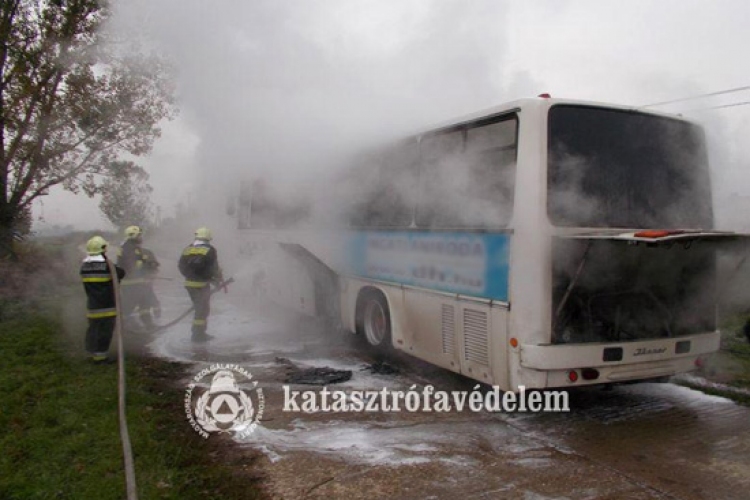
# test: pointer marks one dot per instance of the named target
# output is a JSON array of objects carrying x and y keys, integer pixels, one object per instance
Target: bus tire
[{"x": 375, "y": 320}]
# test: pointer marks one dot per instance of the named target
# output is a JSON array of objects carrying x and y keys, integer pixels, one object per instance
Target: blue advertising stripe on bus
[{"x": 462, "y": 263}]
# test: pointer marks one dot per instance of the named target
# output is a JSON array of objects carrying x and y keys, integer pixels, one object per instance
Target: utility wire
[
  {"x": 743, "y": 103},
  {"x": 701, "y": 96}
]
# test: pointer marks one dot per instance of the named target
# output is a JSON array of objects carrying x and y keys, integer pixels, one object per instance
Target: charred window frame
[
  {"x": 244, "y": 206},
  {"x": 267, "y": 208},
  {"x": 467, "y": 175},
  {"x": 386, "y": 197}
]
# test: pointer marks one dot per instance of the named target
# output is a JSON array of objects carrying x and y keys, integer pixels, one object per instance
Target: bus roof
[{"x": 536, "y": 102}]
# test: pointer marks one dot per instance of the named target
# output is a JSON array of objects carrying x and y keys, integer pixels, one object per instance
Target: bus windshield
[{"x": 624, "y": 169}]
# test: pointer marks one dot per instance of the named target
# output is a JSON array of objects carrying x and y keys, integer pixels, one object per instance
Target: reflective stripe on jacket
[
  {"x": 101, "y": 313},
  {"x": 199, "y": 264},
  {"x": 97, "y": 283},
  {"x": 196, "y": 284}
]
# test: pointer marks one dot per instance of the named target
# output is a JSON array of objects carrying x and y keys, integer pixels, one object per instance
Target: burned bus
[{"x": 542, "y": 243}]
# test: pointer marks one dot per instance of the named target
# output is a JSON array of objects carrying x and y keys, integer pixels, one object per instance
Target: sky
[{"x": 281, "y": 87}]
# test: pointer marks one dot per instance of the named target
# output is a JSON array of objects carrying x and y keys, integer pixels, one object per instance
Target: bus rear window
[{"x": 624, "y": 169}]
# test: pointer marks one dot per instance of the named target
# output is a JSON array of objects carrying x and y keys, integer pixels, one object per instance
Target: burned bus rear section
[
  {"x": 610, "y": 169},
  {"x": 617, "y": 291},
  {"x": 633, "y": 246}
]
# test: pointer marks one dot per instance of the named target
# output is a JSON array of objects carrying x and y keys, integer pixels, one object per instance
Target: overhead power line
[
  {"x": 701, "y": 96},
  {"x": 743, "y": 103}
]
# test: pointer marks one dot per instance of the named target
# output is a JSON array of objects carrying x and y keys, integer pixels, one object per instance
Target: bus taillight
[
  {"x": 573, "y": 376},
  {"x": 590, "y": 374},
  {"x": 657, "y": 233}
]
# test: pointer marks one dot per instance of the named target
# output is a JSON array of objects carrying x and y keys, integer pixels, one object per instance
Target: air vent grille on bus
[
  {"x": 475, "y": 336},
  {"x": 449, "y": 329}
]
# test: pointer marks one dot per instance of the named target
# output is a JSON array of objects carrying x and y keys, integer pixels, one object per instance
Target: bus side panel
[
  {"x": 476, "y": 340},
  {"x": 348, "y": 302},
  {"x": 457, "y": 263},
  {"x": 530, "y": 253},
  {"x": 499, "y": 360},
  {"x": 432, "y": 332},
  {"x": 394, "y": 294},
  {"x": 524, "y": 377},
  {"x": 279, "y": 276},
  {"x": 463, "y": 335}
]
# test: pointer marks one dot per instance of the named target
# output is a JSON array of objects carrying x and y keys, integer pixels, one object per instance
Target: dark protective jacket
[
  {"x": 130, "y": 258},
  {"x": 199, "y": 264},
  {"x": 99, "y": 287},
  {"x": 150, "y": 264}
]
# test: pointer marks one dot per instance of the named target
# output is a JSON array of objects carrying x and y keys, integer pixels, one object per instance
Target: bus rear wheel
[{"x": 376, "y": 321}]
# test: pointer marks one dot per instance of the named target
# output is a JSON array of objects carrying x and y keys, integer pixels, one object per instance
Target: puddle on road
[
  {"x": 396, "y": 443},
  {"x": 239, "y": 332}
]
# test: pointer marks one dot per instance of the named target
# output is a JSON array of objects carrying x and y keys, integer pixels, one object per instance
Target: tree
[
  {"x": 72, "y": 101},
  {"x": 126, "y": 196}
]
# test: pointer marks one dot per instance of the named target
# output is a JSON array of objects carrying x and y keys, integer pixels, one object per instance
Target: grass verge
[
  {"x": 59, "y": 431},
  {"x": 727, "y": 372}
]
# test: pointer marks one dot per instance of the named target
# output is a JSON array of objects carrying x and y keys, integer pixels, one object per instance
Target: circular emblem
[{"x": 224, "y": 399}]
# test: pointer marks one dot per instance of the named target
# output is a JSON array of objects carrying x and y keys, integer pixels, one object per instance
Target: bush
[{"x": 39, "y": 271}]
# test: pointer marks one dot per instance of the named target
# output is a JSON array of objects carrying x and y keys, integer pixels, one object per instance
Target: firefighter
[
  {"x": 135, "y": 288},
  {"x": 100, "y": 291},
  {"x": 199, "y": 264},
  {"x": 150, "y": 270}
]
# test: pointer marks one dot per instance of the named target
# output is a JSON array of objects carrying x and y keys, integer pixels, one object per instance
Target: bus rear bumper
[{"x": 618, "y": 362}]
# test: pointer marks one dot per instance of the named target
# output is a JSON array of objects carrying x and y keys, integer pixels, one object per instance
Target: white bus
[{"x": 543, "y": 243}]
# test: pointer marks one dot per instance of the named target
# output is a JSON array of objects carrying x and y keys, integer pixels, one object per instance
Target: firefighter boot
[
  {"x": 199, "y": 331},
  {"x": 201, "y": 337},
  {"x": 148, "y": 323}
]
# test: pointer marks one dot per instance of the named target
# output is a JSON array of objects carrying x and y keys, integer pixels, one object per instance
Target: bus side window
[
  {"x": 389, "y": 190},
  {"x": 362, "y": 188},
  {"x": 469, "y": 184},
  {"x": 440, "y": 173},
  {"x": 398, "y": 185},
  {"x": 491, "y": 160}
]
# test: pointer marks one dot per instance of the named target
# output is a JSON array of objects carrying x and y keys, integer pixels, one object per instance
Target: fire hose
[
  {"x": 220, "y": 286},
  {"x": 127, "y": 451}
]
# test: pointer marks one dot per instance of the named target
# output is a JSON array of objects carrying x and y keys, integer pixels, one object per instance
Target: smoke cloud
[{"x": 283, "y": 89}]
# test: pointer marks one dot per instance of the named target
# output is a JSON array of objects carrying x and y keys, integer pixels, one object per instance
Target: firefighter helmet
[
  {"x": 203, "y": 233},
  {"x": 133, "y": 232},
  {"x": 96, "y": 245}
]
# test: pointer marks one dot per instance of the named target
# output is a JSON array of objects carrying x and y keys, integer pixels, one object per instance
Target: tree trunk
[{"x": 7, "y": 233}]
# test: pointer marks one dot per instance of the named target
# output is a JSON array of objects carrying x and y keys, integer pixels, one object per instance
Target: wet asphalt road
[{"x": 636, "y": 441}]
